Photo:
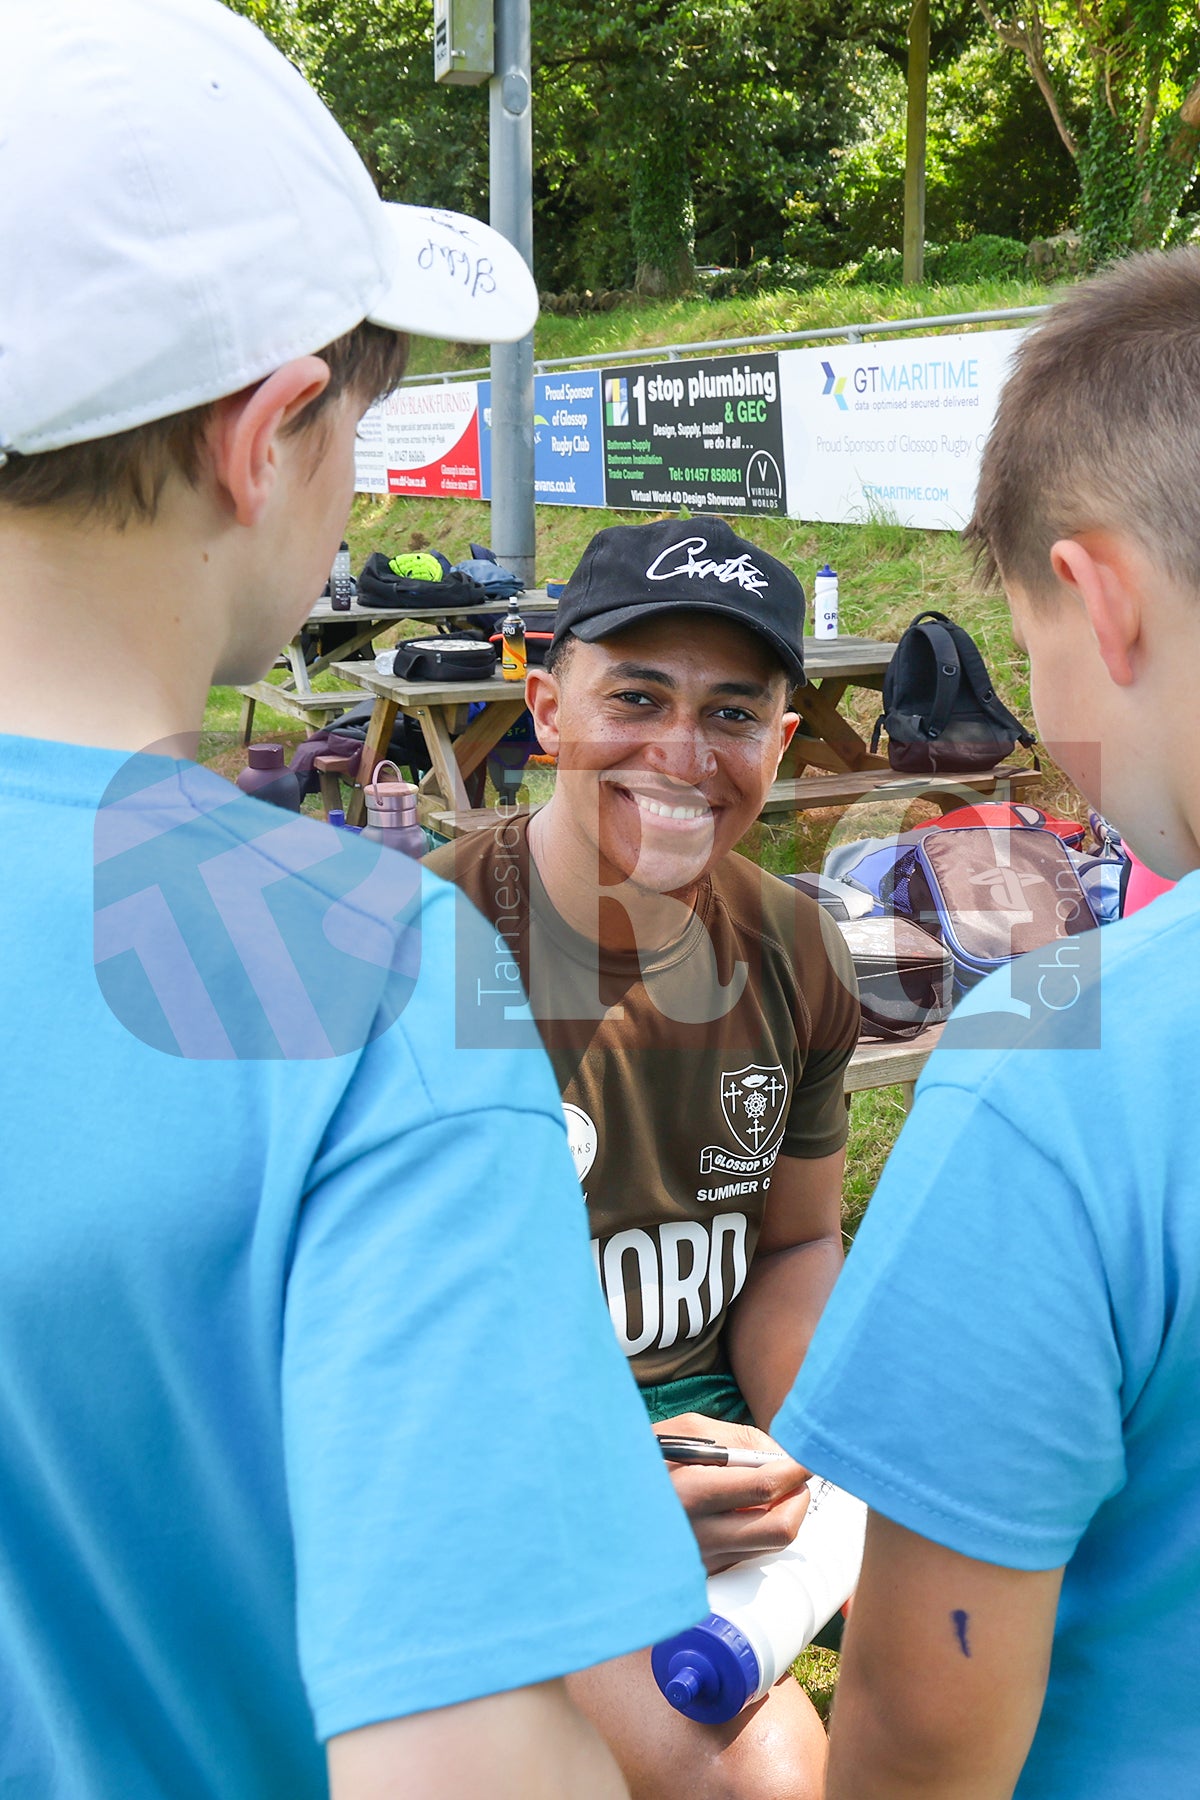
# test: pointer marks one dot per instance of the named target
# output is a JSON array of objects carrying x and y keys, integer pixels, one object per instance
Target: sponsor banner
[
  {"x": 568, "y": 447},
  {"x": 705, "y": 435},
  {"x": 370, "y": 453},
  {"x": 893, "y": 430},
  {"x": 422, "y": 440}
]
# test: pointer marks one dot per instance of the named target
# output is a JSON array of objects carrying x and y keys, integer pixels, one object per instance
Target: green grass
[{"x": 693, "y": 319}]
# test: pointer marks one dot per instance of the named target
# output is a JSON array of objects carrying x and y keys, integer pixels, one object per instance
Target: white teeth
[{"x": 669, "y": 812}]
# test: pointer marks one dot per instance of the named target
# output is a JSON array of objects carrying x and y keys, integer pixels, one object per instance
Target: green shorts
[{"x": 715, "y": 1396}]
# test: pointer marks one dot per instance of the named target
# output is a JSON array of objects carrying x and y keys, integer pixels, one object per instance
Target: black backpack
[
  {"x": 379, "y": 586},
  {"x": 940, "y": 711}
]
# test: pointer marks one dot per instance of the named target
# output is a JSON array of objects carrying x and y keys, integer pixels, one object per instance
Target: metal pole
[
  {"x": 914, "y": 156},
  {"x": 511, "y": 168}
]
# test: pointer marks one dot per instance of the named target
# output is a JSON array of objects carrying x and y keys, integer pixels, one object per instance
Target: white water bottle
[
  {"x": 825, "y": 603},
  {"x": 762, "y": 1614}
]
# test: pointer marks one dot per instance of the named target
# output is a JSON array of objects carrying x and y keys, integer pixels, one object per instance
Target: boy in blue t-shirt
[
  {"x": 1007, "y": 1371},
  {"x": 319, "y": 1465}
]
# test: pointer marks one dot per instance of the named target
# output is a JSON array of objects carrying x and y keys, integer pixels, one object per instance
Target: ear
[
  {"x": 1098, "y": 570},
  {"x": 542, "y": 698},
  {"x": 244, "y": 436},
  {"x": 787, "y": 725}
]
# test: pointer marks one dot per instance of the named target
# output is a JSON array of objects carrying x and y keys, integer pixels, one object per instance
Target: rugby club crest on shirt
[{"x": 754, "y": 1103}]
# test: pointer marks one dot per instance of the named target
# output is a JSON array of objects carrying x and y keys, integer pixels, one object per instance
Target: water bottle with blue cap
[{"x": 763, "y": 1613}]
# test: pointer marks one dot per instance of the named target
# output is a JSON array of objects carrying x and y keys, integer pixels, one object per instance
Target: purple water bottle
[
  {"x": 267, "y": 777},
  {"x": 392, "y": 813}
]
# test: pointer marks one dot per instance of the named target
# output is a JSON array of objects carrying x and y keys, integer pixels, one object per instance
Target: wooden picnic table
[
  {"x": 826, "y": 738},
  {"x": 456, "y": 748},
  {"x": 876, "y": 1065},
  {"x": 297, "y": 696}
]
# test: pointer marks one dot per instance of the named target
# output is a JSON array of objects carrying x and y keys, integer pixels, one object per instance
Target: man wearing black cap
[{"x": 699, "y": 1015}]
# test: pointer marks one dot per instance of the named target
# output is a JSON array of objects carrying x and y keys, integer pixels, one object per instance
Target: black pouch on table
[{"x": 449, "y": 658}]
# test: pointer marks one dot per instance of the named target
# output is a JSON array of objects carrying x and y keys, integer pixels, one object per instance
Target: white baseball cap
[{"x": 180, "y": 215}]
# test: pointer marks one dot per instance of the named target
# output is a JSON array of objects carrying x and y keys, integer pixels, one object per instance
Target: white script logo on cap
[{"x": 734, "y": 568}]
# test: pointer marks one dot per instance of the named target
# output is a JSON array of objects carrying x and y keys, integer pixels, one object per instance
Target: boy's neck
[{"x": 110, "y": 637}]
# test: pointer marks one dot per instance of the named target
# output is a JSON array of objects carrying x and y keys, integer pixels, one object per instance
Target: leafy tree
[
  {"x": 994, "y": 163},
  {"x": 372, "y": 63},
  {"x": 659, "y": 123},
  {"x": 1134, "y": 67}
]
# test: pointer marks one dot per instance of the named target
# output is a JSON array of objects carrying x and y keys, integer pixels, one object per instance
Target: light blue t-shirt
[
  {"x": 311, "y": 1413},
  {"x": 1010, "y": 1364}
]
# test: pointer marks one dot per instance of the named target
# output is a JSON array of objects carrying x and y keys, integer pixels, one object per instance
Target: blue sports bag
[{"x": 989, "y": 895}]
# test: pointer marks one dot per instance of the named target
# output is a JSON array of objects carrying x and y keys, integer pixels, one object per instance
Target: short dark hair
[
  {"x": 121, "y": 478},
  {"x": 1099, "y": 426},
  {"x": 559, "y": 654}
]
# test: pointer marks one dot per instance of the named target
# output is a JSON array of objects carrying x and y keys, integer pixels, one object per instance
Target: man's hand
[{"x": 737, "y": 1513}]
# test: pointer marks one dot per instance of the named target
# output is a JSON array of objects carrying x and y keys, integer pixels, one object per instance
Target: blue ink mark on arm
[{"x": 960, "y": 1620}]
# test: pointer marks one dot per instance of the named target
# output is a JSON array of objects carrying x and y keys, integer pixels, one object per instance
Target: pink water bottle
[
  {"x": 267, "y": 777},
  {"x": 392, "y": 813}
]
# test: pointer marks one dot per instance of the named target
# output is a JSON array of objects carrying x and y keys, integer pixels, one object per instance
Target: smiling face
[{"x": 668, "y": 735}]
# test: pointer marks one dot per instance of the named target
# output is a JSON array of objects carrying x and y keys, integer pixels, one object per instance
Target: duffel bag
[
  {"x": 905, "y": 976},
  {"x": 989, "y": 895},
  {"x": 840, "y": 899}
]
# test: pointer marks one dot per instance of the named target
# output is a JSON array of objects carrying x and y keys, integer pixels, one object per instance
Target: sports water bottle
[
  {"x": 512, "y": 644},
  {"x": 763, "y": 1613},
  {"x": 392, "y": 814},
  {"x": 341, "y": 582},
  {"x": 825, "y": 603},
  {"x": 268, "y": 777}
]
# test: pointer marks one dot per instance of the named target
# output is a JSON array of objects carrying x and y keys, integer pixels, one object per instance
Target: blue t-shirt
[
  {"x": 1010, "y": 1363},
  {"x": 311, "y": 1413}
]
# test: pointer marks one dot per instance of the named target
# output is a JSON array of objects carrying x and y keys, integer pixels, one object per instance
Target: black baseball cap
[{"x": 634, "y": 572}]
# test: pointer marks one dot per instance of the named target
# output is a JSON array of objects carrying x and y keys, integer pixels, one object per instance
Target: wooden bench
[
  {"x": 801, "y": 793},
  {"x": 313, "y": 710},
  {"x": 479, "y": 818},
  {"x": 876, "y": 1065}
]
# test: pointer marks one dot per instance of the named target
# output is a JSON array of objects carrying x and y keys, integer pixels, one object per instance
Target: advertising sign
[
  {"x": 422, "y": 440},
  {"x": 841, "y": 433},
  {"x": 705, "y": 435},
  {"x": 891, "y": 430},
  {"x": 568, "y": 449}
]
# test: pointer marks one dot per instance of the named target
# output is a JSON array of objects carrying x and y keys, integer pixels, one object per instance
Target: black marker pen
[{"x": 707, "y": 1451}]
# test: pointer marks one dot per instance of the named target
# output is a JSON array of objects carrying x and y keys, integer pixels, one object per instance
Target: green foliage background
[{"x": 669, "y": 133}]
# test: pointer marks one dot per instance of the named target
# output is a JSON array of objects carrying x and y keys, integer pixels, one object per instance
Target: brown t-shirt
[{"x": 684, "y": 1074}]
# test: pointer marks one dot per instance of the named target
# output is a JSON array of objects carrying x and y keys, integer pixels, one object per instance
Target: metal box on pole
[{"x": 463, "y": 42}]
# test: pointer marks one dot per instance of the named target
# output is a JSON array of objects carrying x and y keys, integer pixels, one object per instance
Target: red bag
[{"x": 1001, "y": 815}]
